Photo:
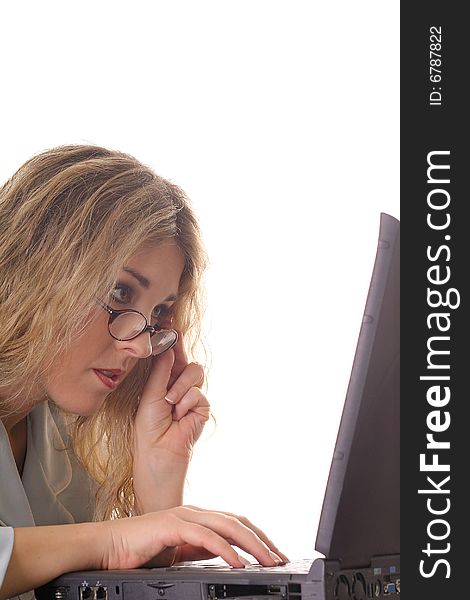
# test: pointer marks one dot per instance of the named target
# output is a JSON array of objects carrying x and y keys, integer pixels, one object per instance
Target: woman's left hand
[
  {"x": 172, "y": 410},
  {"x": 171, "y": 416}
]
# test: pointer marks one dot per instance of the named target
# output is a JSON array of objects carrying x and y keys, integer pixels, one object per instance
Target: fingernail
[
  {"x": 171, "y": 398},
  {"x": 243, "y": 560},
  {"x": 277, "y": 559}
]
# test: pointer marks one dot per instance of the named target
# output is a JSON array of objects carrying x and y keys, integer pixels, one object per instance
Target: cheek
[
  {"x": 84, "y": 351},
  {"x": 95, "y": 336}
]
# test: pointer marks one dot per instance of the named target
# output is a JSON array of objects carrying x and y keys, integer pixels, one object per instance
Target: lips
[{"x": 110, "y": 377}]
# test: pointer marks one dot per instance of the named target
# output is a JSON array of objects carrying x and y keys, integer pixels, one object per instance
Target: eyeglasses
[{"x": 124, "y": 325}]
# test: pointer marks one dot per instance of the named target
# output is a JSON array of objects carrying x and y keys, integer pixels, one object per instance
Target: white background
[{"x": 281, "y": 122}]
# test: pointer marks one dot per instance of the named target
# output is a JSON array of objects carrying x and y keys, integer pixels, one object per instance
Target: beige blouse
[{"x": 54, "y": 488}]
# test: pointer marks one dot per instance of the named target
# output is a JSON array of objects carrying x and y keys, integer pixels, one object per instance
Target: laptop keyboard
[{"x": 296, "y": 566}]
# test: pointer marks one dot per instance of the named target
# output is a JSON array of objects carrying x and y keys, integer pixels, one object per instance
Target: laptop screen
[{"x": 361, "y": 509}]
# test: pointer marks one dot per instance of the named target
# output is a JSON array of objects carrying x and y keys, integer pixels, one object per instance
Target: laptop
[{"x": 359, "y": 528}]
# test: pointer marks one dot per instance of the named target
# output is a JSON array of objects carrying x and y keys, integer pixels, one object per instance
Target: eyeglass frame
[{"x": 151, "y": 329}]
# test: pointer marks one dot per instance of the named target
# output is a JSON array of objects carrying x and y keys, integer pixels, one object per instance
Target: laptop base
[{"x": 326, "y": 580}]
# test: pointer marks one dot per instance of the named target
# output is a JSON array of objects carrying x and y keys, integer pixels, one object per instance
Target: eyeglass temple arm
[{"x": 105, "y": 306}]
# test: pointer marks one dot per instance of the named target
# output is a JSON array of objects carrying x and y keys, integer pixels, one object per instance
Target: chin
[{"x": 85, "y": 408}]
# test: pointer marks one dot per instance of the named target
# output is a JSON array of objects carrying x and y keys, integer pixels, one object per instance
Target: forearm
[
  {"x": 42, "y": 553},
  {"x": 159, "y": 484}
]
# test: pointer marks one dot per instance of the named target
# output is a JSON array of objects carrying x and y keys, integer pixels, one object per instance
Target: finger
[
  {"x": 193, "y": 401},
  {"x": 235, "y": 532},
  {"x": 261, "y": 535},
  {"x": 157, "y": 383},
  {"x": 256, "y": 530},
  {"x": 199, "y": 536},
  {"x": 181, "y": 358},
  {"x": 192, "y": 375},
  {"x": 191, "y": 553}
]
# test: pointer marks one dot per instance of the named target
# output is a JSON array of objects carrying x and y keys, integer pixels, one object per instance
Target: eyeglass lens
[
  {"x": 128, "y": 325},
  {"x": 163, "y": 340}
]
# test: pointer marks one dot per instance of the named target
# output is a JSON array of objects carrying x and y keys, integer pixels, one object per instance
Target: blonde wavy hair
[{"x": 70, "y": 218}]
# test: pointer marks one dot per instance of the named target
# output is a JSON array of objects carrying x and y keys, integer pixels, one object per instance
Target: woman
[{"x": 100, "y": 291}]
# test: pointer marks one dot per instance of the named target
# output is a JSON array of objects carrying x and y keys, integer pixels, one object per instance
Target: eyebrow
[{"x": 145, "y": 283}]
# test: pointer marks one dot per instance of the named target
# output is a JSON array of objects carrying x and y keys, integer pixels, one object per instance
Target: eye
[
  {"x": 160, "y": 314},
  {"x": 121, "y": 294}
]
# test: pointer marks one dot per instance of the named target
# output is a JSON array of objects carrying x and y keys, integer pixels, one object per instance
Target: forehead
[{"x": 158, "y": 265}]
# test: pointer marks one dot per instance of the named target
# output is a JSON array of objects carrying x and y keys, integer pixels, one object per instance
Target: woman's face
[{"x": 147, "y": 283}]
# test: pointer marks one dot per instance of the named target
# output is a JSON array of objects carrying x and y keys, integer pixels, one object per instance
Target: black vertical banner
[{"x": 435, "y": 357}]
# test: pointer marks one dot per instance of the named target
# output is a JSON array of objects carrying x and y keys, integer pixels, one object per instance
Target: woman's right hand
[{"x": 154, "y": 539}]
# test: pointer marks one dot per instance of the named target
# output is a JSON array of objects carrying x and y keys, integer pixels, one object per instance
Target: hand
[
  {"x": 172, "y": 425},
  {"x": 145, "y": 540},
  {"x": 189, "y": 552},
  {"x": 165, "y": 433}
]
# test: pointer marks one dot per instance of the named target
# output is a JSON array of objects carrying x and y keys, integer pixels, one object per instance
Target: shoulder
[{"x": 63, "y": 480}]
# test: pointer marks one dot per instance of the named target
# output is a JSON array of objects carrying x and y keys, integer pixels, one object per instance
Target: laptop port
[
  {"x": 222, "y": 591},
  {"x": 342, "y": 588},
  {"x": 390, "y": 588},
  {"x": 93, "y": 592}
]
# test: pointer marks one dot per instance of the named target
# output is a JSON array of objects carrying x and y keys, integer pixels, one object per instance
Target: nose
[{"x": 139, "y": 347}]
